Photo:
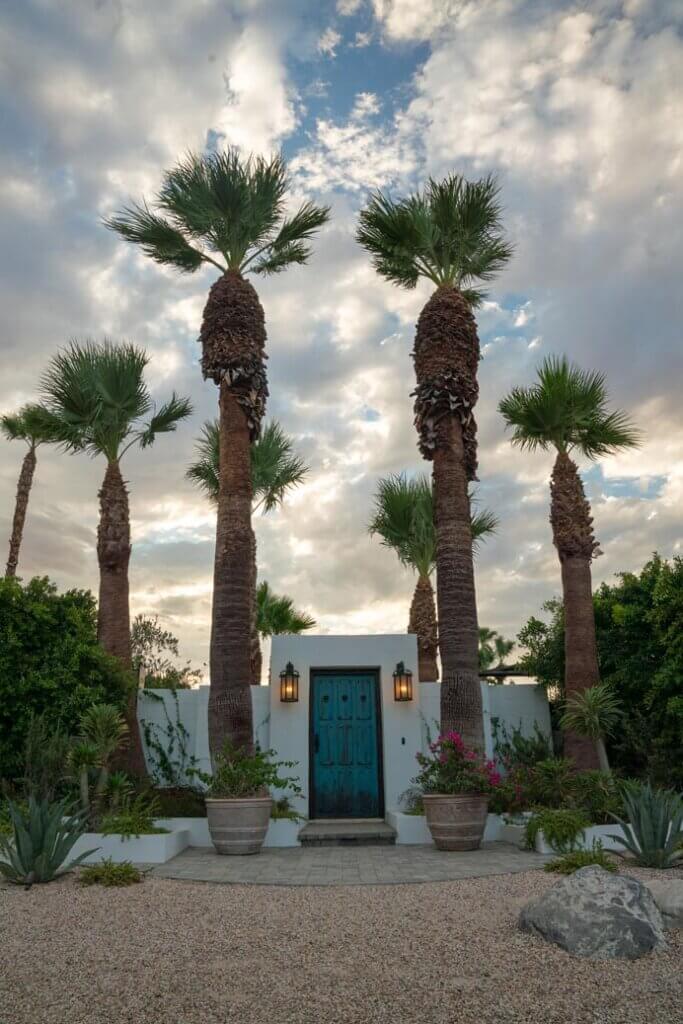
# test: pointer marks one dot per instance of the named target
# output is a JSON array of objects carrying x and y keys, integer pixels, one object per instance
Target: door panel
[{"x": 345, "y": 761}]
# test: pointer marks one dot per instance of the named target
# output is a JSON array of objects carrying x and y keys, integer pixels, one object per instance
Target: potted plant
[
  {"x": 456, "y": 783},
  {"x": 238, "y": 801}
]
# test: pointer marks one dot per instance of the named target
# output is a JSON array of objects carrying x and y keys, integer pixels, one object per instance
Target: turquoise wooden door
[{"x": 345, "y": 758}]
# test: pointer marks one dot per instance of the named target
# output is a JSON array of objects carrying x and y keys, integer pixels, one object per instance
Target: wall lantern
[
  {"x": 403, "y": 683},
  {"x": 289, "y": 684}
]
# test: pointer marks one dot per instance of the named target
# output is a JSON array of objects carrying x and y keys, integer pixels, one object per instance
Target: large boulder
[
  {"x": 668, "y": 895},
  {"x": 596, "y": 914}
]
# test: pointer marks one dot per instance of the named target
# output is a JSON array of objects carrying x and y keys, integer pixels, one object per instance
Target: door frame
[{"x": 373, "y": 670}]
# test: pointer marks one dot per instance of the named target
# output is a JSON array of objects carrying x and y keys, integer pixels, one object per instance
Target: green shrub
[
  {"x": 597, "y": 794},
  {"x": 134, "y": 818},
  {"x": 282, "y": 810},
  {"x": 653, "y": 826},
  {"x": 240, "y": 773},
  {"x": 513, "y": 749},
  {"x": 571, "y": 862},
  {"x": 550, "y": 782},
  {"x": 41, "y": 839},
  {"x": 179, "y": 802},
  {"x": 561, "y": 828},
  {"x": 110, "y": 874},
  {"x": 50, "y": 664}
]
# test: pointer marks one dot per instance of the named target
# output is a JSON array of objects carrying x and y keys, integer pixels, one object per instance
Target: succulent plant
[
  {"x": 41, "y": 840},
  {"x": 652, "y": 831}
]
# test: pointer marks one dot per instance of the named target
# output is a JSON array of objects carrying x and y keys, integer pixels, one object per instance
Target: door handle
[{"x": 316, "y": 743}]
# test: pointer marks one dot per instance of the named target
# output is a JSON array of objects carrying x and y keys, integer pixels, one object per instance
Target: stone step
[{"x": 347, "y": 832}]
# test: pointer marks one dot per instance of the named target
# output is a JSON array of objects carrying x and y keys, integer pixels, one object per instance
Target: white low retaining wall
[{"x": 155, "y": 849}]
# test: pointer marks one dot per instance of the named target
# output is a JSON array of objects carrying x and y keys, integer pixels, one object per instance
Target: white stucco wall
[
  {"x": 290, "y": 723},
  {"x": 405, "y": 726}
]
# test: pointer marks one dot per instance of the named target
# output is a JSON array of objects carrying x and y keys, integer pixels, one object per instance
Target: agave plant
[
  {"x": 41, "y": 840},
  {"x": 652, "y": 833}
]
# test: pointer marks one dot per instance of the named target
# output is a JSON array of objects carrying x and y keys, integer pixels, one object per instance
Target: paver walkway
[{"x": 340, "y": 865}]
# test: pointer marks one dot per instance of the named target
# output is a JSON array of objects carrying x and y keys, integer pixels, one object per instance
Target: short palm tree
[
  {"x": 95, "y": 400},
  {"x": 275, "y": 469},
  {"x": 594, "y": 713},
  {"x": 566, "y": 410},
  {"x": 22, "y": 426},
  {"x": 227, "y": 212},
  {"x": 451, "y": 234},
  {"x": 404, "y": 520}
]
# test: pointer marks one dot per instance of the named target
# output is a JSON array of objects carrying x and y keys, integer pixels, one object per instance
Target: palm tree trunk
[
  {"x": 28, "y": 467},
  {"x": 113, "y": 620},
  {"x": 576, "y": 546},
  {"x": 255, "y": 652},
  {"x": 446, "y": 357},
  {"x": 603, "y": 759},
  {"x": 233, "y": 337},
  {"x": 461, "y": 706},
  {"x": 230, "y": 711},
  {"x": 422, "y": 622}
]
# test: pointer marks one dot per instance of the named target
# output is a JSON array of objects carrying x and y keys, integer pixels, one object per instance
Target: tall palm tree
[
  {"x": 493, "y": 648},
  {"x": 566, "y": 410},
  {"x": 228, "y": 212},
  {"x": 22, "y": 426},
  {"x": 96, "y": 401},
  {"x": 404, "y": 519},
  {"x": 451, "y": 234},
  {"x": 275, "y": 469}
]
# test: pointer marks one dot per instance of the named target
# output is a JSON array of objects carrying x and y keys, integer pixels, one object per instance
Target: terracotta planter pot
[
  {"x": 238, "y": 827},
  {"x": 456, "y": 821}
]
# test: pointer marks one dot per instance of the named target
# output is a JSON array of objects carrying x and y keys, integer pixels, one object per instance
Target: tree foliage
[
  {"x": 451, "y": 234},
  {"x": 50, "y": 663},
  {"x": 639, "y": 627},
  {"x": 275, "y": 466},
  {"x": 276, "y": 614},
  {"x": 567, "y": 409},
  {"x": 225, "y": 210},
  {"x": 403, "y": 519}
]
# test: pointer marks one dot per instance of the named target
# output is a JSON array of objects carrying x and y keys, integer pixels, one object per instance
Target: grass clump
[
  {"x": 561, "y": 827},
  {"x": 111, "y": 875},
  {"x": 571, "y": 862}
]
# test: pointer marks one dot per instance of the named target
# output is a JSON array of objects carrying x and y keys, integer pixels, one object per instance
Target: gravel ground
[{"x": 169, "y": 952}]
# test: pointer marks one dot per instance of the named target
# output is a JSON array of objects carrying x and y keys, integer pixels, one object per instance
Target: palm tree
[
  {"x": 229, "y": 213},
  {"x": 404, "y": 520},
  {"x": 450, "y": 234},
  {"x": 95, "y": 401},
  {"x": 275, "y": 469},
  {"x": 276, "y": 614},
  {"x": 595, "y": 714},
  {"x": 493, "y": 649},
  {"x": 566, "y": 410},
  {"x": 22, "y": 426}
]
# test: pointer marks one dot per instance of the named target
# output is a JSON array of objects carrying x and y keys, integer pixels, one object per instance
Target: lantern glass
[
  {"x": 403, "y": 683},
  {"x": 289, "y": 685}
]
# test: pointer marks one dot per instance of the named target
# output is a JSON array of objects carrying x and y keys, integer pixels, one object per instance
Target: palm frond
[
  {"x": 204, "y": 471},
  {"x": 404, "y": 520},
  {"x": 166, "y": 419},
  {"x": 157, "y": 237},
  {"x": 275, "y": 467},
  {"x": 483, "y": 524},
  {"x": 567, "y": 408},
  {"x": 451, "y": 233},
  {"x": 223, "y": 203},
  {"x": 276, "y": 614},
  {"x": 94, "y": 395}
]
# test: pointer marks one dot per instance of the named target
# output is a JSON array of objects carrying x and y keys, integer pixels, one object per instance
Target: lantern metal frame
[
  {"x": 289, "y": 684},
  {"x": 403, "y": 683}
]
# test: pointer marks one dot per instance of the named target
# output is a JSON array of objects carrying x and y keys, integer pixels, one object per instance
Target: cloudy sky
[{"x": 578, "y": 107}]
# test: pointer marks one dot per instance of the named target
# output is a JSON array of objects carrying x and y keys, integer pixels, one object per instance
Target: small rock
[
  {"x": 668, "y": 895},
  {"x": 596, "y": 914}
]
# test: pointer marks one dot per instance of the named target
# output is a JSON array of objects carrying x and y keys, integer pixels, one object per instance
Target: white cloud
[
  {"x": 329, "y": 41},
  {"x": 348, "y": 7}
]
